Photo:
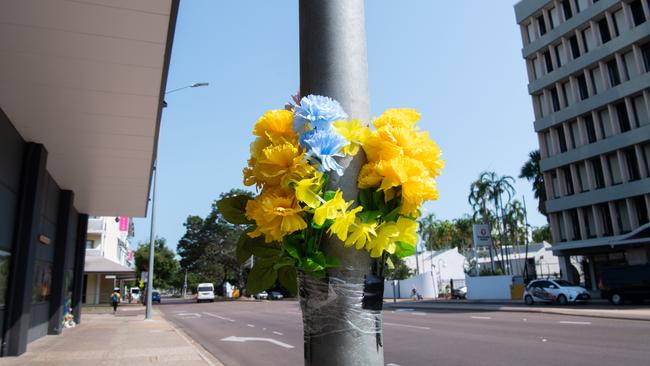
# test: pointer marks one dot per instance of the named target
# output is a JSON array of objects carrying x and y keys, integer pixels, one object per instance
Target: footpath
[
  {"x": 596, "y": 309},
  {"x": 121, "y": 339}
]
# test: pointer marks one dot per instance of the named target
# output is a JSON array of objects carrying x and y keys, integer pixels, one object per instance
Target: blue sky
[{"x": 458, "y": 62}]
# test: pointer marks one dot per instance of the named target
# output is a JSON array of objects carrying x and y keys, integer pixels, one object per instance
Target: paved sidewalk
[
  {"x": 125, "y": 339},
  {"x": 596, "y": 309}
]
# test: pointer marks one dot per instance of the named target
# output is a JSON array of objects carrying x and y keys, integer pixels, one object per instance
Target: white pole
[{"x": 152, "y": 237}]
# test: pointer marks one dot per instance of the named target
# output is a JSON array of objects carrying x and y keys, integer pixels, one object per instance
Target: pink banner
[{"x": 124, "y": 223}]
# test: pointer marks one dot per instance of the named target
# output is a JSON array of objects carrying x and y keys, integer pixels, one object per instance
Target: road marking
[
  {"x": 189, "y": 315},
  {"x": 407, "y": 326},
  {"x": 256, "y": 339},
  {"x": 278, "y": 333},
  {"x": 392, "y": 364},
  {"x": 481, "y": 317},
  {"x": 419, "y": 313},
  {"x": 219, "y": 317},
  {"x": 402, "y": 310},
  {"x": 571, "y": 322},
  {"x": 251, "y": 325}
]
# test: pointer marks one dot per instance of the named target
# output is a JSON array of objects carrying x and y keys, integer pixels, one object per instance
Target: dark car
[
  {"x": 155, "y": 297},
  {"x": 275, "y": 295},
  {"x": 629, "y": 283}
]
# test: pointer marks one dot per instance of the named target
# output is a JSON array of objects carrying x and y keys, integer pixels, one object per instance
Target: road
[{"x": 270, "y": 333}]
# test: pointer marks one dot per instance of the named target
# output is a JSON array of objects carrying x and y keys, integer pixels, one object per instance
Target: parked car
[
  {"x": 155, "y": 296},
  {"x": 276, "y": 295},
  {"x": 205, "y": 292},
  {"x": 261, "y": 295},
  {"x": 620, "y": 284},
  {"x": 459, "y": 293},
  {"x": 134, "y": 294},
  {"x": 554, "y": 290}
]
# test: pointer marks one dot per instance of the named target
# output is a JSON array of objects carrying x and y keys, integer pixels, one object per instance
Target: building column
[
  {"x": 613, "y": 214},
  {"x": 592, "y": 274},
  {"x": 589, "y": 169},
  {"x": 20, "y": 284},
  {"x": 79, "y": 262},
  {"x": 565, "y": 268},
  {"x": 62, "y": 243},
  {"x": 598, "y": 221},
  {"x": 634, "y": 123},
  {"x": 607, "y": 174},
  {"x": 581, "y": 222},
  {"x": 643, "y": 171},
  {"x": 575, "y": 181},
  {"x": 622, "y": 166},
  {"x": 98, "y": 282},
  {"x": 631, "y": 213}
]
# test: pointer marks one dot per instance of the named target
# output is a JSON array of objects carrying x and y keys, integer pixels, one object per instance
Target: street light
[{"x": 152, "y": 235}]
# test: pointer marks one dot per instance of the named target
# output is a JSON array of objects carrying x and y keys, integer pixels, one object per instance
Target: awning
[
  {"x": 639, "y": 236},
  {"x": 86, "y": 79},
  {"x": 102, "y": 265}
]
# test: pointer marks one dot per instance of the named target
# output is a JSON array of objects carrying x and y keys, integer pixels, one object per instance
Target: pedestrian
[{"x": 115, "y": 298}]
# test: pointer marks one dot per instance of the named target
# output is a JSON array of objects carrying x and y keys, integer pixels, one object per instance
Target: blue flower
[
  {"x": 323, "y": 146},
  {"x": 319, "y": 111}
]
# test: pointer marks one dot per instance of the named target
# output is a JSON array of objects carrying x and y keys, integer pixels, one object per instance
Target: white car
[
  {"x": 549, "y": 291},
  {"x": 205, "y": 292}
]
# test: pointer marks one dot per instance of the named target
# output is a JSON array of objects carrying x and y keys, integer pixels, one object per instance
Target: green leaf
[
  {"x": 267, "y": 250},
  {"x": 325, "y": 225},
  {"x": 390, "y": 264},
  {"x": 369, "y": 216},
  {"x": 312, "y": 266},
  {"x": 262, "y": 276},
  {"x": 331, "y": 262},
  {"x": 292, "y": 245},
  {"x": 404, "y": 249},
  {"x": 288, "y": 279},
  {"x": 328, "y": 195},
  {"x": 284, "y": 261},
  {"x": 245, "y": 246},
  {"x": 365, "y": 198},
  {"x": 392, "y": 215},
  {"x": 378, "y": 200},
  {"x": 233, "y": 209}
]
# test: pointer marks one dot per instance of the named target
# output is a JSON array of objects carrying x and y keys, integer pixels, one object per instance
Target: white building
[
  {"x": 434, "y": 270},
  {"x": 109, "y": 259},
  {"x": 541, "y": 261}
]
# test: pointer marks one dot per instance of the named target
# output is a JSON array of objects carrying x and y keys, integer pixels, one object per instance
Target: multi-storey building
[
  {"x": 109, "y": 259},
  {"x": 588, "y": 66}
]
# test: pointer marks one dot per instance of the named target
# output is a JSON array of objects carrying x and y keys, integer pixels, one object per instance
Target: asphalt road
[{"x": 415, "y": 337}]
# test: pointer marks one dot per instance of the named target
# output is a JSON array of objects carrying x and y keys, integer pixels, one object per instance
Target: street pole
[
  {"x": 185, "y": 285},
  {"x": 152, "y": 238},
  {"x": 333, "y": 63}
]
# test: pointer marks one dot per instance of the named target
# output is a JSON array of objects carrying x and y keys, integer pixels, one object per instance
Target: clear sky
[{"x": 458, "y": 62}]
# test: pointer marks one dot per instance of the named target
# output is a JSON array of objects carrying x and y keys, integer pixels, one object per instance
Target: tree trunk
[{"x": 341, "y": 317}]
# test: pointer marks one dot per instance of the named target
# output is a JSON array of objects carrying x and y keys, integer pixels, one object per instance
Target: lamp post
[{"x": 152, "y": 235}]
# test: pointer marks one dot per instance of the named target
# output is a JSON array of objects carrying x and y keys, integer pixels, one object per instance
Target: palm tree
[
  {"x": 497, "y": 187},
  {"x": 531, "y": 172},
  {"x": 514, "y": 218}
]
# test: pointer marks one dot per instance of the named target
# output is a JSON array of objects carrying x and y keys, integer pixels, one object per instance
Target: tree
[
  {"x": 398, "y": 270},
  {"x": 542, "y": 234},
  {"x": 165, "y": 269},
  {"x": 208, "y": 248},
  {"x": 531, "y": 171}
]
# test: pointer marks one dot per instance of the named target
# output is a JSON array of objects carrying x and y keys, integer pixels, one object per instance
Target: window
[
  {"x": 619, "y": 21},
  {"x": 566, "y": 89},
  {"x": 645, "y": 151},
  {"x": 632, "y": 164},
  {"x": 573, "y": 131},
  {"x": 555, "y": 100},
  {"x": 614, "y": 169},
  {"x": 552, "y": 21},
  {"x": 560, "y": 55},
  {"x": 589, "y": 222},
  {"x": 608, "y": 229},
  {"x": 561, "y": 139},
  {"x": 530, "y": 29},
  {"x": 606, "y": 125},
  {"x": 588, "y": 39},
  {"x": 582, "y": 87},
  {"x": 594, "y": 75},
  {"x": 640, "y": 111},
  {"x": 614, "y": 76},
  {"x": 90, "y": 244},
  {"x": 638, "y": 16},
  {"x": 622, "y": 217},
  {"x": 623, "y": 118},
  {"x": 582, "y": 177},
  {"x": 548, "y": 61},
  {"x": 541, "y": 25},
  {"x": 5, "y": 262},
  {"x": 575, "y": 224},
  {"x": 568, "y": 181},
  {"x": 605, "y": 36},
  {"x": 598, "y": 173},
  {"x": 641, "y": 210},
  {"x": 645, "y": 51},
  {"x": 537, "y": 67},
  {"x": 629, "y": 65},
  {"x": 547, "y": 143},
  {"x": 555, "y": 184},
  {"x": 591, "y": 129},
  {"x": 42, "y": 283},
  {"x": 581, "y": 5},
  {"x": 566, "y": 8},
  {"x": 575, "y": 49}
]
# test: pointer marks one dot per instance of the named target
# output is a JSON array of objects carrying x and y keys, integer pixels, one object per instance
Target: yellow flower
[
  {"x": 330, "y": 209},
  {"x": 407, "y": 231},
  {"x": 416, "y": 191},
  {"x": 384, "y": 241},
  {"x": 342, "y": 224},
  {"x": 307, "y": 190},
  {"x": 369, "y": 177},
  {"x": 276, "y": 126},
  {"x": 276, "y": 213},
  {"x": 355, "y": 132},
  {"x": 398, "y": 117},
  {"x": 278, "y": 165},
  {"x": 361, "y": 234},
  {"x": 396, "y": 172}
]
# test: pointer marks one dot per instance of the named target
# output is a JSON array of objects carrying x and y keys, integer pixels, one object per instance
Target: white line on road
[
  {"x": 189, "y": 315},
  {"x": 219, "y": 317},
  {"x": 246, "y": 339},
  {"x": 392, "y": 364},
  {"x": 407, "y": 326},
  {"x": 418, "y": 313},
  {"x": 571, "y": 322},
  {"x": 402, "y": 310},
  {"x": 481, "y": 317},
  {"x": 278, "y": 333},
  {"x": 251, "y": 325}
]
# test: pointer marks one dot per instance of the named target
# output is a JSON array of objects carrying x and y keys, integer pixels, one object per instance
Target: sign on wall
[
  {"x": 482, "y": 235},
  {"x": 124, "y": 223}
]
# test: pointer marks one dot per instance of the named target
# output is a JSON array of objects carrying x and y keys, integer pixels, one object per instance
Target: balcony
[{"x": 95, "y": 226}]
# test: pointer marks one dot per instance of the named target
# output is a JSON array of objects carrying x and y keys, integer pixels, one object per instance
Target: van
[
  {"x": 620, "y": 284},
  {"x": 205, "y": 292},
  {"x": 135, "y": 294}
]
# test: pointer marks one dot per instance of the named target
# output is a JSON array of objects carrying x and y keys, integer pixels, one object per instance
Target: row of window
[
  {"x": 549, "y": 18},
  {"x": 619, "y": 117},
  {"x": 603, "y": 219},
  {"x": 584, "y": 39},
  {"x": 617, "y": 167}
]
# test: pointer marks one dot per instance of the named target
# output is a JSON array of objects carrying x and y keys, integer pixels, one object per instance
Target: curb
[
  {"x": 519, "y": 310},
  {"x": 208, "y": 357}
]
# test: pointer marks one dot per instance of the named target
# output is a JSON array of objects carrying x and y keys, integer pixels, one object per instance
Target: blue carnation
[
  {"x": 319, "y": 111},
  {"x": 323, "y": 146}
]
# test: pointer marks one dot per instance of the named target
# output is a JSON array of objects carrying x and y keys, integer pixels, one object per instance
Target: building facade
[
  {"x": 109, "y": 258},
  {"x": 588, "y": 65}
]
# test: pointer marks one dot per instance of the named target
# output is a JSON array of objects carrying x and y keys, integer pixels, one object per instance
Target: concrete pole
[
  {"x": 152, "y": 239},
  {"x": 333, "y": 63}
]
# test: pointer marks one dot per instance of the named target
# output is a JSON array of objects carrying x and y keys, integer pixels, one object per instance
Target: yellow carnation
[
  {"x": 355, "y": 132},
  {"x": 398, "y": 117},
  {"x": 276, "y": 213}
]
